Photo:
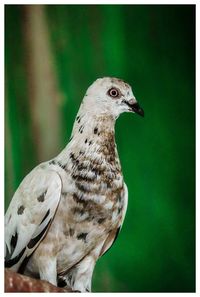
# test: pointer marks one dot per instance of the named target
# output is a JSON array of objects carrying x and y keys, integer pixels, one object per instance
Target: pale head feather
[{"x": 98, "y": 101}]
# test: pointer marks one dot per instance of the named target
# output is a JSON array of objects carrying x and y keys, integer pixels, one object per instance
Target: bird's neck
[
  {"x": 93, "y": 137},
  {"x": 95, "y": 133},
  {"x": 92, "y": 159},
  {"x": 94, "y": 127}
]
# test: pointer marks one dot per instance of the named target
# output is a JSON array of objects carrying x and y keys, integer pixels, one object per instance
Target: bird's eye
[{"x": 113, "y": 92}]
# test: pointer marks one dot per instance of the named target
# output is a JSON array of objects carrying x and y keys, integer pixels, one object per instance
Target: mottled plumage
[{"x": 67, "y": 212}]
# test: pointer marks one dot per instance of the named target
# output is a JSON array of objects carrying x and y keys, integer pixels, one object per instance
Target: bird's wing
[
  {"x": 114, "y": 233},
  {"x": 30, "y": 214}
]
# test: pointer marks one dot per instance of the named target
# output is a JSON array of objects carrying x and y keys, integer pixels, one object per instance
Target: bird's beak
[{"x": 135, "y": 107}]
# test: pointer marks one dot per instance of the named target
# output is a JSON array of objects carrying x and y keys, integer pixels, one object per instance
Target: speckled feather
[{"x": 67, "y": 212}]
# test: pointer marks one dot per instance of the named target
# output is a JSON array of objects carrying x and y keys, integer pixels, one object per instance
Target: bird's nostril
[{"x": 131, "y": 101}]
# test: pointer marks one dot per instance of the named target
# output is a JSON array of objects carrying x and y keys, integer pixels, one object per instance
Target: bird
[{"x": 68, "y": 211}]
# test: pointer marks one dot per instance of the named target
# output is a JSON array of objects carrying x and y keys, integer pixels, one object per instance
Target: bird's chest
[
  {"x": 86, "y": 215},
  {"x": 96, "y": 194},
  {"x": 90, "y": 207}
]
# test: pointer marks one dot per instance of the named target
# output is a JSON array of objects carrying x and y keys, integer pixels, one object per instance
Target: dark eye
[{"x": 113, "y": 92}]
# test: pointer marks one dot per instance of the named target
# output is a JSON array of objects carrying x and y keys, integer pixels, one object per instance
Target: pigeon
[{"x": 67, "y": 212}]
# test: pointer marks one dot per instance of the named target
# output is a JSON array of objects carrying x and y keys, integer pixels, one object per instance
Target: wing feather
[{"x": 30, "y": 214}]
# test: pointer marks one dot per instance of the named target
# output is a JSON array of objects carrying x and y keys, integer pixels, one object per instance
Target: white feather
[{"x": 28, "y": 224}]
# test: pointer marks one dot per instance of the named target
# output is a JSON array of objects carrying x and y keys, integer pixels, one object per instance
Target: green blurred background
[{"x": 52, "y": 54}]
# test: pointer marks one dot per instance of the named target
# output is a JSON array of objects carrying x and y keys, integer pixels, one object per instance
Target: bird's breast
[{"x": 91, "y": 203}]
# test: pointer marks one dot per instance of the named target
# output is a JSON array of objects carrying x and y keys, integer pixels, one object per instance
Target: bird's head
[{"x": 111, "y": 96}]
